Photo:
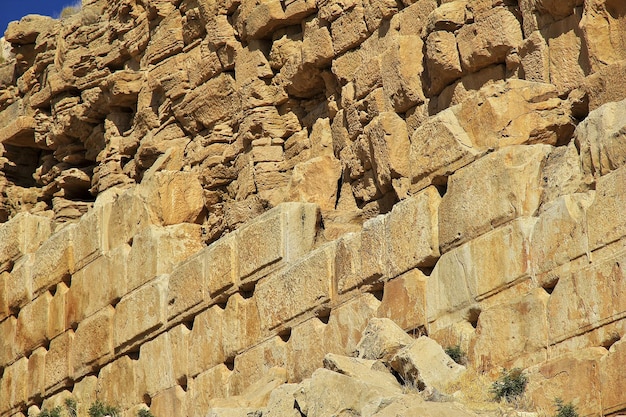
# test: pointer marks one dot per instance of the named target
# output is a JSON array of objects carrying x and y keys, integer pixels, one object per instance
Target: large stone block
[
  {"x": 4, "y": 302},
  {"x": 560, "y": 233},
  {"x": 187, "y": 286},
  {"x": 9, "y": 348},
  {"x": 221, "y": 265},
  {"x": 349, "y": 30},
  {"x": 98, "y": 284},
  {"x": 37, "y": 373},
  {"x": 164, "y": 360},
  {"x": 59, "y": 367},
  {"x": 553, "y": 379},
  {"x": 439, "y": 147},
  {"x": 170, "y": 402},
  {"x": 401, "y": 69},
  {"x": 141, "y": 311},
  {"x": 347, "y": 323},
  {"x": 598, "y": 138},
  {"x": 121, "y": 383},
  {"x": 20, "y": 283},
  {"x": 205, "y": 341},
  {"x": 374, "y": 253},
  {"x": 127, "y": 215},
  {"x": 93, "y": 341},
  {"x": 413, "y": 232},
  {"x": 404, "y": 300},
  {"x": 242, "y": 324},
  {"x": 57, "y": 317},
  {"x": 584, "y": 298},
  {"x": 14, "y": 384},
  {"x": 303, "y": 287},
  {"x": 512, "y": 334},
  {"x": 348, "y": 263},
  {"x": 479, "y": 268},
  {"x": 612, "y": 383},
  {"x": 32, "y": 323},
  {"x": 53, "y": 261},
  {"x": 206, "y": 386},
  {"x": 254, "y": 363},
  {"x": 305, "y": 350},
  {"x": 489, "y": 39},
  {"x": 497, "y": 188},
  {"x": 157, "y": 250},
  {"x": 23, "y": 234},
  {"x": 603, "y": 30},
  {"x": 285, "y": 233},
  {"x": 605, "y": 216},
  {"x": 85, "y": 389}
]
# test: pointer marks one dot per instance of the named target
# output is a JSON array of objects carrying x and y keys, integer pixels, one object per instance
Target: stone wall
[{"x": 194, "y": 192}]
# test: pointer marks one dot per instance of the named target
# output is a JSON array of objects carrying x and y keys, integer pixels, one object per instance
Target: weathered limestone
[
  {"x": 23, "y": 234},
  {"x": 604, "y": 219},
  {"x": 404, "y": 300},
  {"x": 382, "y": 338},
  {"x": 86, "y": 353}
]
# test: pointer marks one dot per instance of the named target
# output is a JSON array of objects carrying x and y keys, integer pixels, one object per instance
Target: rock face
[{"x": 230, "y": 207}]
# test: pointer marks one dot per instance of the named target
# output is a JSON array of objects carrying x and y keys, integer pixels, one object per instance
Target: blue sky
[{"x": 16, "y": 9}]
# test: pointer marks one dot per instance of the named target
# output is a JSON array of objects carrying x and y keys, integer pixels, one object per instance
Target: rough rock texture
[{"x": 202, "y": 200}]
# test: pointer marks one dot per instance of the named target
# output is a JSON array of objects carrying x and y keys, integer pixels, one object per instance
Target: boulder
[{"x": 381, "y": 339}]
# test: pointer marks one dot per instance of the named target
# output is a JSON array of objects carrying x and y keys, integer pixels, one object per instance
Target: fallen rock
[{"x": 381, "y": 339}]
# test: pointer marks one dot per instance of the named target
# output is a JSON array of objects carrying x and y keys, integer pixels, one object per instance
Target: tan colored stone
[
  {"x": 303, "y": 287},
  {"x": 281, "y": 402},
  {"x": 164, "y": 360},
  {"x": 553, "y": 379},
  {"x": 401, "y": 71},
  {"x": 140, "y": 311},
  {"x": 381, "y": 339},
  {"x": 442, "y": 59},
  {"x": 93, "y": 341},
  {"x": 604, "y": 216},
  {"x": 242, "y": 325},
  {"x": 4, "y": 303},
  {"x": 207, "y": 385},
  {"x": 305, "y": 349},
  {"x": 489, "y": 39},
  {"x": 606, "y": 85},
  {"x": 85, "y": 389},
  {"x": 206, "y": 341},
  {"x": 14, "y": 384},
  {"x": 36, "y": 373},
  {"x": 315, "y": 181},
  {"x": 463, "y": 88},
  {"x": 9, "y": 349},
  {"x": 57, "y": 316},
  {"x": 22, "y": 234},
  {"x": 485, "y": 265},
  {"x": 599, "y": 139},
  {"x": 349, "y": 30},
  {"x": 156, "y": 251},
  {"x": 583, "y": 298},
  {"x": 253, "y": 364},
  {"x": 170, "y": 402},
  {"x": 128, "y": 215},
  {"x": 186, "y": 286},
  {"x": 611, "y": 381},
  {"x": 404, "y": 300},
  {"x": 372, "y": 372},
  {"x": 32, "y": 323},
  {"x": 53, "y": 261},
  {"x": 603, "y": 25},
  {"x": 20, "y": 283},
  {"x": 567, "y": 216},
  {"x": 347, "y": 322},
  {"x": 221, "y": 265},
  {"x": 121, "y": 383},
  {"x": 511, "y": 178},
  {"x": 317, "y": 46},
  {"x": 26, "y": 30},
  {"x": 59, "y": 367}
]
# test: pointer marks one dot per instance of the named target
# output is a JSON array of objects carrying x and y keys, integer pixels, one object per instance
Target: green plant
[
  {"x": 99, "y": 409},
  {"x": 510, "y": 385},
  {"x": 144, "y": 413},
  {"x": 71, "y": 407},
  {"x": 53, "y": 412},
  {"x": 564, "y": 410},
  {"x": 456, "y": 354}
]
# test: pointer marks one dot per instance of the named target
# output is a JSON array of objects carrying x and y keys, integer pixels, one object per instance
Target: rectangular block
[
  {"x": 56, "y": 317},
  {"x": 90, "y": 235},
  {"x": 14, "y": 384},
  {"x": 8, "y": 347},
  {"x": 221, "y": 267},
  {"x": 20, "y": 284},
  {"x": 519, "y": 330},
  {"x": 32, "y": 323},
  {"x": 37, "y": 373},
  {"x": 59, "y": 367},
  {"x": 121, "y": 383},
  {"x": 205, "y": 341},
  {"x": 612, "y": 381},
  {"x": 206, "y": 386},
  {"x": 126, "y": 216},
  {"x": 187, "y": 287},
  {"x": 242, "y": 324},
  {"x": 54, "y": 260},
  {"x": 510, "y": 177},
  {"x": 305, "y": 353},
  {"x": 605, "y": 216},
  {"x": 302, "y": 287},
  {"x": 586, "y": 298},
  {"x": 560, "y": 234},
  {"x": 374, "y": 253},
  {"x": 348, "y": 263},
  {"x": 413, "y": 232},
  {"x": 170, "y": 402},
  {"x": 479, "y": 268},
  {"x": 287, "y": 231},
  {"x": 4, "y": 296},
  {"x": 404, "y": 300},
  {"x": 93, "y": 341},
  {"x": 164, "y": 360},
  {"x": 100, "y": 283},
  {"x": 141, "y": 311},
  {"x": 23, "y": 234},
  {"x": 255, "y": 363},
  {"x": 156, "y": 250}
]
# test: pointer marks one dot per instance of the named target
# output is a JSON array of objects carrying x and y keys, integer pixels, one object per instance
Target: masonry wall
[{"x": 195, "y": 193}]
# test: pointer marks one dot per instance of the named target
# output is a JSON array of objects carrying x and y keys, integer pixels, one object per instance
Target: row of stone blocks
[{"x": 387, "y": 246}]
